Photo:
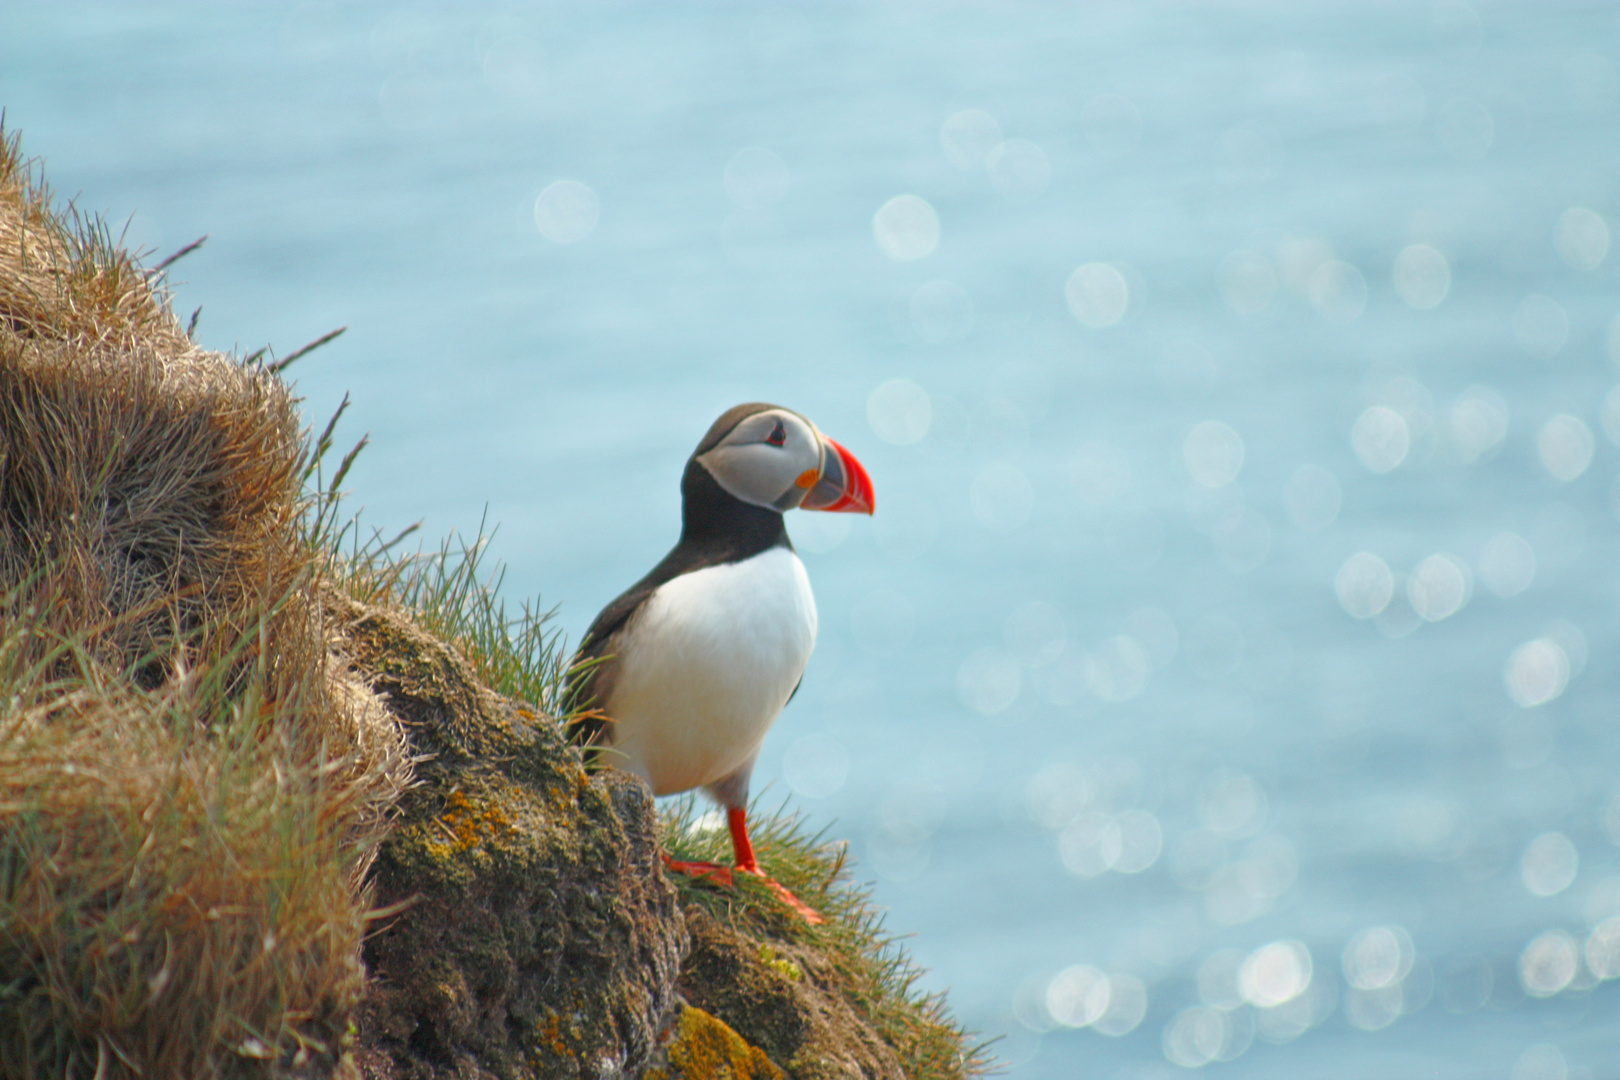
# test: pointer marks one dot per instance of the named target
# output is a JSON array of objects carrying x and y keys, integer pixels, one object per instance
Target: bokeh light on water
[{"x": 1222, "y": 683}]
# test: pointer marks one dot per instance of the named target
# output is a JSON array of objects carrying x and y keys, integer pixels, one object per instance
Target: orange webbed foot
[
  {"x": 798, "y": 907},
  {"x": 702, "y": 870}
]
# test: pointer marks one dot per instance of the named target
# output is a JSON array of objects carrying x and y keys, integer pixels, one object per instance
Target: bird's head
[{"x": 773, "y": 457}]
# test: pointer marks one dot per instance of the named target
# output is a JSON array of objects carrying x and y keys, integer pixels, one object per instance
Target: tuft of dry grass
[
  {"x": 178, "y": 880},
  {"x": 191, "y": 785}
]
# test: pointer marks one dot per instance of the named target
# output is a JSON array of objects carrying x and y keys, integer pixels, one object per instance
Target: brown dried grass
[{"x": 190, "y": 784}]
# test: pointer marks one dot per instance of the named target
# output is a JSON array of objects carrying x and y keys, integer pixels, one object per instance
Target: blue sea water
[{"x": 1224, "y": 683}]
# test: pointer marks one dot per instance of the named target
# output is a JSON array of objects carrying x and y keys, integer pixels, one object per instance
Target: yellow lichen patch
[
  {"x": 469, "y": 825},
  {"x": 551, "y": 1035},
  {"x": 780, "y": 964},
  {"x": 704, "y": 1048}
]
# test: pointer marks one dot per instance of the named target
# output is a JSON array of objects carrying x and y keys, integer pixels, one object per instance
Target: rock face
[
  {"x": 537, "y": 936},
  {"x": 775, "y": 994}
]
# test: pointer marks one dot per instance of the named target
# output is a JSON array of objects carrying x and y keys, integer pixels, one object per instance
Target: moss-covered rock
[
  {"x": 537, "y": 936},
  {"x": 785, "y": 996}
]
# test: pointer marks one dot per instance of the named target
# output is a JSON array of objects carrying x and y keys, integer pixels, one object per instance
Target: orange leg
[
  {"x": 742, "y": 848},
  {"x": 743, "y": 851}
]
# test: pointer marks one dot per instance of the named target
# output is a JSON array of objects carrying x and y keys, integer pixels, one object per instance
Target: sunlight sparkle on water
[
  {"x": 1422, "y": 276},
  {"x": 1195, "y": 1037},
  {"x": 1541, "y": 1061},
  {"x": 1127, "y": 1005},
  {"x": 1378, "y": 957},
  {"x": 1582, "y": 238},
  {"x": 566, "y": 211},
  {"x": 1479, "y": 422},
  {"x": 1536, "y": 672},
  {"x": 906, "y": 227},
  {"x": 1541, "y": 326},
  {"x": 1565, "y": 445},
  {"x": 1338, "y": 290},
  {"x": 1549, "y": 864},
  {"x": 1117, "y": 668},
  {"x": 900, "y": 412},
  {"x": 1090, "y": 844},
  {"x": 988, "y": 680},
  {"x": 1019, "y": 168},
  {"x": 1213, "y": 453},
  {"x": 1439, "y": 587},
  {"x": 969, "y": 138},
  {"x": 1507, "y": 565},
  {"x": 1611, "y": 415},
  {"x": 1549, "y": 964},
  {"x": 1602, "y": 950},
  {"x": 1364, "y": 585},
  {"x": 1231, "y": 804},
  {"x": 1275, "y": 973},
  {"x": 1374, "y": 1010},
  {"x": 1078, "y": 996},
  {"x": 1380, "y": 438},
  {"x": 1098, "y": 295}
]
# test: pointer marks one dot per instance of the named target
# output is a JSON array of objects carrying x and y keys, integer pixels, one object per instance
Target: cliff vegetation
[{"x": 278, "y": 799}]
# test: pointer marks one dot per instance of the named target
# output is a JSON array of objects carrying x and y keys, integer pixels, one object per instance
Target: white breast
[{"x": 705, "y": 667}]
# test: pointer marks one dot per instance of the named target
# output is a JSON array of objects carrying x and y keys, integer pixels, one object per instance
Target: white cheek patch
[{"x": 759, "y": 473}]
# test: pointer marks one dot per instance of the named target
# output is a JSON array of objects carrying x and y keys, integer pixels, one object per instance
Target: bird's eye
[{"x": 778, "y": 435}]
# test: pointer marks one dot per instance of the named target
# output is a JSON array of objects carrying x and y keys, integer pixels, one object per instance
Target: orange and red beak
[{"x": 843, "y": 485}]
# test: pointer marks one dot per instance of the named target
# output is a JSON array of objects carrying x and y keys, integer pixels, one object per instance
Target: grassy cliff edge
[{"x": 276, "y": 800}]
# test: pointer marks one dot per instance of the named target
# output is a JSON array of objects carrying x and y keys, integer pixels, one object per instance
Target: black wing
[
  {"x": 596, "y": 663},
  {"x": 716, "y": 528}
]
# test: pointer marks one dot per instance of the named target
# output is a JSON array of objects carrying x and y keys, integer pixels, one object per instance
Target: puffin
[{"x": 679, "y": 679}]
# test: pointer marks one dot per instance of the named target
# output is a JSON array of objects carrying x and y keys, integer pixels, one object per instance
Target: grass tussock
[
  {"x": 177, "y": 881},
  {"x": 65, "y": 279},
  {"x": 455, "y": 595},
  {"x": 190, "y": 784}
]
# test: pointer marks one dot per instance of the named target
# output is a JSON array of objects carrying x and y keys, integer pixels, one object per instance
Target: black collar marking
[{"x": 716, "y": 528}]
